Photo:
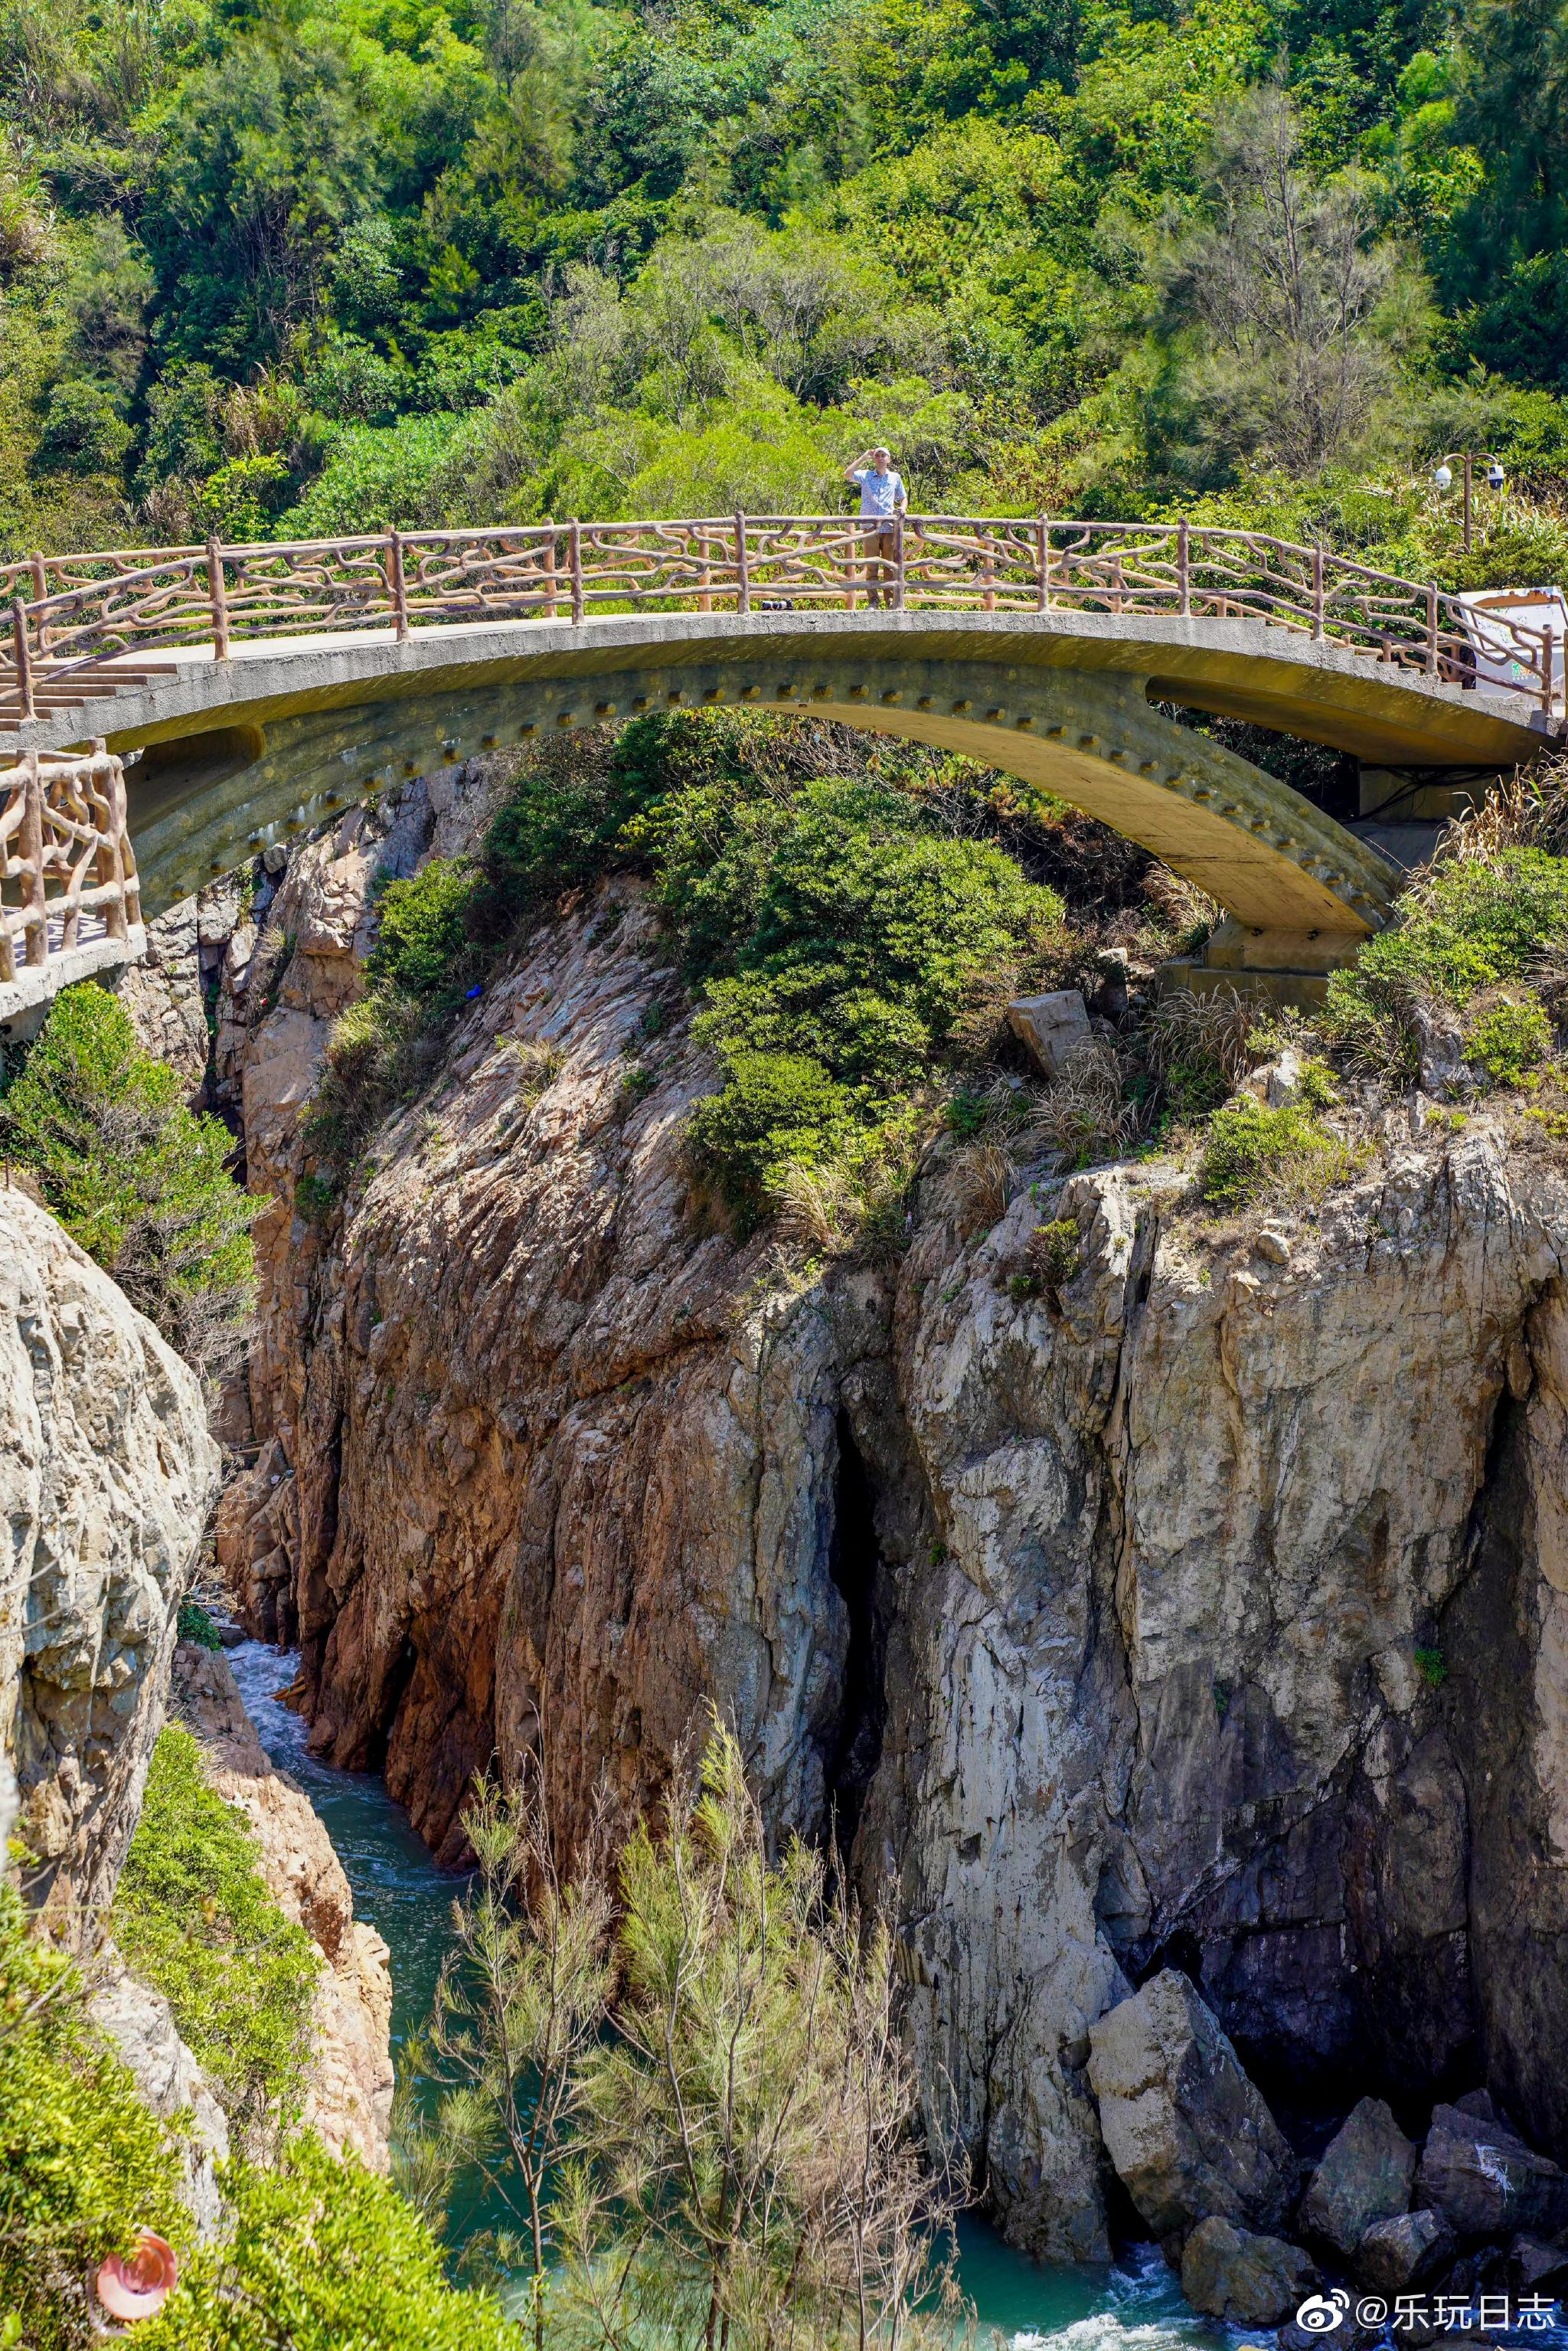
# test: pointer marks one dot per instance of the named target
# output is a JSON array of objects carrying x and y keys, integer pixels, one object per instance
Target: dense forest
[{"x": 279, "y": 267}]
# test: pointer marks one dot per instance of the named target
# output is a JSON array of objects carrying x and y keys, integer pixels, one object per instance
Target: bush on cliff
[
  {"x": 83, "y": 2164},
  {"x": 317, "y": 2255},
  {"x": 194, "y": 1918},
  {"x": 139, "y": 1180},
  {"x": 1474, "y": 922},
  {"x": 839, "y": 931},
  {"x": 1252, "y": 1153}
]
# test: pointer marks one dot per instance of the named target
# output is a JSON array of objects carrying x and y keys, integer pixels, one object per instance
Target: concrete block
[{"x": 1054, "y": 1027}]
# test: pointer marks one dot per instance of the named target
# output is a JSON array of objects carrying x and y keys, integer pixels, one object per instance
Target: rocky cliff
[
  {"x": 107, "y": 1471},
  {"x": 1202, "y": 1612},
  {"x": 349, "y": 2088}
]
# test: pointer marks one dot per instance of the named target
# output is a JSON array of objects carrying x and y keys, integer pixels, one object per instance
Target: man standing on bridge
[{"x": 882, "y": 497}]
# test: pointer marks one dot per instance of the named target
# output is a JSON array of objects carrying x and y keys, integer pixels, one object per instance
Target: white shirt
[{"x": 880, "y": 492}]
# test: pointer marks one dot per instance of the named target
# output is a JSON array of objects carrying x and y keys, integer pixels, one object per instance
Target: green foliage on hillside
[
  {"x": 194, "y": 1918},
  {"x": 316, "y": 2254},
  {"x": 298, "y": 265},
  {"x": 83, "y": 2164},
  {"x": 139, "y": 1180},
  {"x": 831, "y": 906},
  {"x": 1474, "y": 925}
]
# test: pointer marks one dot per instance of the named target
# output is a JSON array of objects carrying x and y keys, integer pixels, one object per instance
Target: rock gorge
[
  {"x": 108, "y": 1474},
  {"x": 1205, "y": 1613}
]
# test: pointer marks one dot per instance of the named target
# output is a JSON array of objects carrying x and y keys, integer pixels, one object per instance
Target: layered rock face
[
  {"x": 107, "y": 1471},
  {"x": 1174, "y": 1619}
]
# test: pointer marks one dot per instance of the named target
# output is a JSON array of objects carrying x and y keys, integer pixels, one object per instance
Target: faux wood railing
[
  {"x": 68, "y": 873},
  {"x": 67, "y": 610}
]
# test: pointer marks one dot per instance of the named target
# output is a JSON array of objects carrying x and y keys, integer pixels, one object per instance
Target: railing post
[
  {"x": 398, "y": 585},
  {"x": 41, "y": 590},
  {"x": 742, "y": 567},
  {"x": 24, "y": 659},
  {"x": 575, "y": 540},
  {"x": 1042, "y": 540},
  {"x": 1548, "y": 681},
  {"x": 898, "y": 563},
  {"x": 705, "y": 574},
  {"x": 857, "y": 532},
  {"x": 30, "y": 842},
  {"x": 1317, "y": 604},
  {"x": 1184, "y": 570},
  {"x": 1431, "y": 628},
  {"x": 110, "y": 860},
  {"x": 218, "y": 598},
  {"x": 549, "y": 572}
]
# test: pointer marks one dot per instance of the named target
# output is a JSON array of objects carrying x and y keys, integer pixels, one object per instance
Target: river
[{"x": 1134, "y": 2306}]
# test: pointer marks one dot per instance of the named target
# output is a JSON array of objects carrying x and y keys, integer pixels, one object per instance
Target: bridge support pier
[{"x": 1290, "y": 968}]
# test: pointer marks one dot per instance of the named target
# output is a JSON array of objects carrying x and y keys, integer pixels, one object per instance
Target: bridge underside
[
  {"x": 236, "y": 754},
  {"x": 203, "y": 803}
]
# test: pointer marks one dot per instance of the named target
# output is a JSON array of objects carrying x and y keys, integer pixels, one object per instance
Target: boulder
[
  {"x": 1053, "y": 1026},
  {"x": 1365, "y": 2177},
  {"x": 1537, "y": 2268},
  {"x": 1278, "y": 1082},
  {"x": 1189, "y": 2136},
  {"x": 140, "y": 2024},
  {"x": 1250, "y": 2281},
  {"x": 1480, "y": 2174},
  {"x": 1400, "y": 2253}
]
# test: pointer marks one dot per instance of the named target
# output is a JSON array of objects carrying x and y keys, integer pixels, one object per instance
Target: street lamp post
[{"x": 1442, "y": 474}]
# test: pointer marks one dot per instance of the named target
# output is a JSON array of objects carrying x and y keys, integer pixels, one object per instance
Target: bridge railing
[
  {"x": 68, "y": 872},
  {"x": 68, "y": 611}
]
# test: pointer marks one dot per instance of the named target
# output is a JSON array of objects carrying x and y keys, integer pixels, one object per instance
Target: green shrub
[
  {"x": 317, "y": 2255},
  {"x": 375, "y": 1051},
  {"x": 1055, "y": 1252},
  {"x": 1432, "y": 1666},
  {"x": 83, "y": 2164},
  {"x": 194, "y": 1920},
  {"x": 853, "y": 931},
  {"x": 193, "y": 1624},
  {"x": 314, "y": 1197},
  {"x": 774, "y": 1109},
  {"x": 1251, "y": 1153},
  {"x": 563, "y": 822},
  {"x": 422, "y": 940},
  {"x": 1509, "y": 1040},
  {"x": 1475, "y": 926},
  {"x": 139, "y": 1180}
]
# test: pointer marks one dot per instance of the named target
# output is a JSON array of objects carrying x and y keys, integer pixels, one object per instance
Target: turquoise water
[{"x": 1134, "y": 2306}]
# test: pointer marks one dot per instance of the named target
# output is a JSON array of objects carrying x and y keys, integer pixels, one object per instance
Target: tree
[
  {"x": 749, "y": 2170},
  {"x": 140, "y": 1181},
  {"x": 519, "y": 2003},
  {"x": 1282, "y": 307}
]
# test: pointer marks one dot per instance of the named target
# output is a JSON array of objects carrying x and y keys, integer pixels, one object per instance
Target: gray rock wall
[{"x": 107, "y": 1471}]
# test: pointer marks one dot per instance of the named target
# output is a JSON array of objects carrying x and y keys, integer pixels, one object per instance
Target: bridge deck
[{"x": 289, "y": 680}]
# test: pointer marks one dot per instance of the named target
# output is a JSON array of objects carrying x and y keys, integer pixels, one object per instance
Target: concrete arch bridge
[{"x": 166, "y": 713}]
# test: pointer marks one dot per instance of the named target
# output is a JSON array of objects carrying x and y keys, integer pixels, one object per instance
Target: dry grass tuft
[
  {"x": 538, "y": 1065},
  {"x": 1192, "y": 1028},
  {"x": 817, "y": 1210},
  {"x": 1083, "y": 1116},
  {"x": 981, "y": 1186}
]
